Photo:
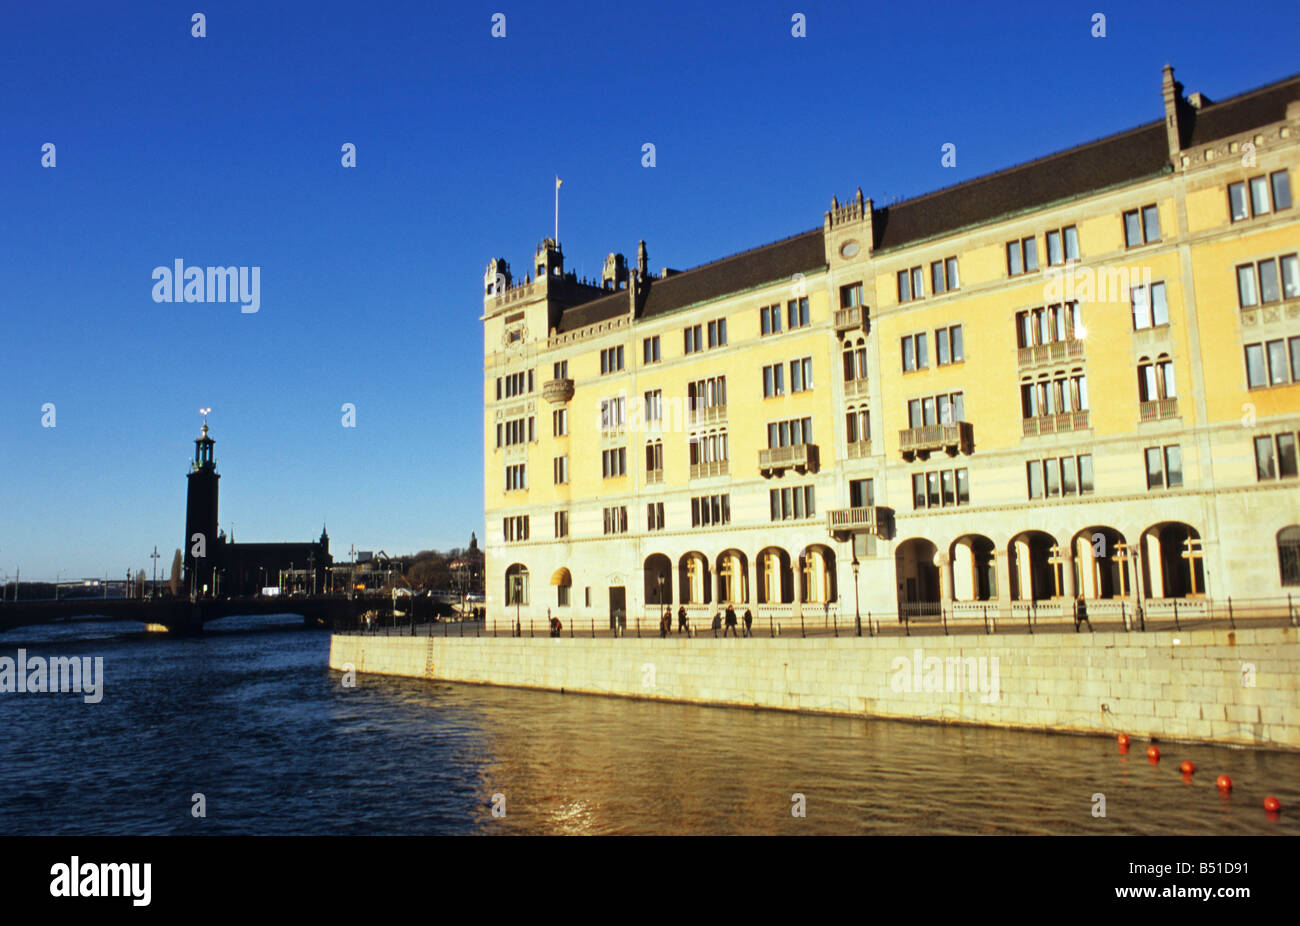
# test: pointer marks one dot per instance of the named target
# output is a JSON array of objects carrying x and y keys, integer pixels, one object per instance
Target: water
[{"x": 251, "y": 718}]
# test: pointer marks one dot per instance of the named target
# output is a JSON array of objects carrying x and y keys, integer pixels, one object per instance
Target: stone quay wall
[{"x": 1239, "y": 687}]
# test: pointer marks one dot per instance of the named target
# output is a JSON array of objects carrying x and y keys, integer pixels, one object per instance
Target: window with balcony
[
  {"x": 789, "y": 433},
  {"x": 709, "y": 453},
  {"x": 706, "y": 398},
  {"x": 948, "y": 345},
  {"x": 946, "y": 408},
  {"x": 1022, "y": 256},
  {"x": 916, "y": 352},
  {"x": 769, "y": 319},
  {"x": 560, "y": 370},
  {"x": 654, "y": 460},
  {"x": 1275, "y": 456},
  {"x": 862, "y": 493},
  {"x": 1155, "y": 379},
  {"x": 858, "y": 425},
  {"x": 1259, "y": 195},
  {"x": 1164, "y": 467},
  {"x": 1054, "y": 401},
  {"x": 855, "y": 360},
  {"x": 1141, "y": 226},
  {"x": 1259, "y": 283},
  {"x": 650, "y": 350},
  {"x": 1050, "y": 324},
  {"x": 791, "y": 503},
  {"x": 797, "y": 313}
]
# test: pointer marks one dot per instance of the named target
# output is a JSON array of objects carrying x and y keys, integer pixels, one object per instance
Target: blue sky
[{"x": 225, "y": 150}]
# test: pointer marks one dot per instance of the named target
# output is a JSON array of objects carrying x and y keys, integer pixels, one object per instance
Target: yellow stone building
[{"x": 1078, "y": 377}]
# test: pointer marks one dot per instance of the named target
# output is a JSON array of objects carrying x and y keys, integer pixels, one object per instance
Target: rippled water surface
[{"x": 251, "y": 717}]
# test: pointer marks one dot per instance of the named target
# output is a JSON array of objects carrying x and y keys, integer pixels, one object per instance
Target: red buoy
[
  {"x": 1187, "y": 767},
  {"x": 1153, "y": 753},
  {"x": 1272, "y": 804},
  {"x": 1223, "y": 783},
  {"x": 1123, "y": 739}
]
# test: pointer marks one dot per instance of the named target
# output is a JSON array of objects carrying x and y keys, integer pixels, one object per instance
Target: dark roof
[
  {"x": 1117, "y": 159},
  {"x": 770, "y": 263}
]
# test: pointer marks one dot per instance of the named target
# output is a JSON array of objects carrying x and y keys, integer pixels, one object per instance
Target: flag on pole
[{"x": 558, "y": 181}]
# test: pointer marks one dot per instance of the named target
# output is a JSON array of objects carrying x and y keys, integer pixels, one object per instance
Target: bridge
[{"x": 185, "y": 617}]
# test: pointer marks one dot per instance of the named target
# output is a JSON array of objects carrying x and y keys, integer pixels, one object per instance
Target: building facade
[{"x": 1078, "y": 377}]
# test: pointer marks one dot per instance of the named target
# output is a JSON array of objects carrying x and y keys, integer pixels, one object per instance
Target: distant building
[{"x": 215, "y": 565}]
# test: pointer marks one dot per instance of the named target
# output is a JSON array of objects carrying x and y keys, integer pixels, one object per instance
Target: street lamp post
[{"x": 857, "y": 612}]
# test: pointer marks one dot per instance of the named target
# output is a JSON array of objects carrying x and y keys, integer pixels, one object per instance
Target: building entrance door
[{"x": 617, "y": 608}]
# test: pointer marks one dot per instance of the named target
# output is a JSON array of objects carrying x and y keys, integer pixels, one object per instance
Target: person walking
[
  {"x": 731, "y": 621},
  {"x": 717, "y": 622},
  {"x": 749, "y": 622},
  {"x": 682, "y": 623}
]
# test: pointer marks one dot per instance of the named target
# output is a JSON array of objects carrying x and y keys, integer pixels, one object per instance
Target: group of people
[{"x": 684, "y": 624}]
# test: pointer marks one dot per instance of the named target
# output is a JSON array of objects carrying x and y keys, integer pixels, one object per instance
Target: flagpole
[{"x": 557, "y": 210}]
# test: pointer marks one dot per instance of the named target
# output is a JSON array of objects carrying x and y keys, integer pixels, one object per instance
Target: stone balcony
[
  {"x": 856, "y": 450},
  {"x": 1057, "y": 424},
  {"x": 1158, "y": 409},
  {"x": 953, "y": 439},
  {"x": 706, "y": 470},
  {"x": 856, "y": 388},
  {"x": 871, "y": 519},
  {"x": 557, "y": 391},
  {"x": 1052, "y": 352},
  {"x": 707, "y": 414},
  {"x": 855, "y": 318},
  {"x": 773, "y": 461}
]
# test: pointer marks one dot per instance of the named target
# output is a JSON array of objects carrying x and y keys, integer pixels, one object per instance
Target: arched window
[
  {"x": 855, "y": 360},
  {"x": 654, "y": 456},
  {"x": 1288, "y": 554},
  {"x": 517, "y": 585}
]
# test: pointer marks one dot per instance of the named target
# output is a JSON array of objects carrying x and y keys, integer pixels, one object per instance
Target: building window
[
  {"x": 613, "y": 413},
  {"x": 858, "y": 421},
  {"x": 694, "y": 339},
  {"x": 1155, "y": 379},
  {"x": 1059, "y": 476},
  {"x": 517, "y": 384},
  {"x": 911, "y": 284},
  {"x": 1054, "y": 393},
  {"x": 1267, "y": 363},
  {"x": 705, "y": 394},
  {"x": 797, "y": 314},
  {"x": 773, "y": 380},
  {"x": 654, "y": 457},
  {"x": 1062, "y": 245},
  {"x": 943, "y": 275},
  {"x": 562, "y": 596},
  {"x": 516, "y": 585},
  {"x": 515, "y": 528},
  {"x": 1150, "y": 308},
  {"x": 801, "y": 375},
  {"x": 613, "y": 462},
  {"x": 650, "y": 350},
  {"x": 718, "y": 333},
  {"x": 1259, "y": 203},
  {"x": 948, "y": 345},
  {"x": 1288, "y": 555},
  {"x": 561, "y": 467},
  {"x": 916, "y": 352},
  {"x": 851, "y": 296},
  {"x": 862, "y": 493},
  {"x": 1141, "y": 226},
  {"x": 561, "y": 524},
  {"x": 654, "y": 516},
  {"x": 560, "y": 370},
  {"x": 654, "y": 405},
  {"x": 940, "y": 489},
  {"x": 1022, "y": 256},
  {"x": 855, "y": 360},
  {"x": 789, "y": 433},
  {"x": 560, "y": 422},
  {"x": 710, "y": 509},
  {"x": 611, "y": 360},
  {"x": 1049, "y": 324},
  {"x": 769, "y": 319},
  {"x": 939, "y": 409},
  {"x": 1258, "y": 283},
  {"x": 1164, "y": 467},
  {"x": 709, "y": 447},
  {"x": 1275, "y": 456},
  {"x": 515, "y": 478},
  {"x": 616, "y": 520},
  {"x": 791, "y": 503}
]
